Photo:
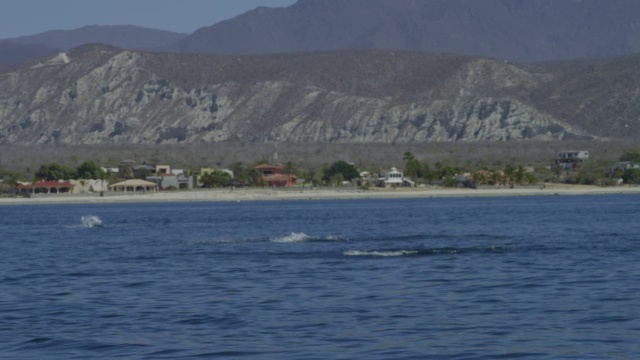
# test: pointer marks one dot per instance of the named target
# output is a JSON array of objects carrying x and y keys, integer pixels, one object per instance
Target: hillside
[{"x": 102, "y": 95}]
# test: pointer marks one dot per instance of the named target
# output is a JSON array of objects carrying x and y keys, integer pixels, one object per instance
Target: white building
[
  {"x": 568, "y": 160},
  {"x": 89, "y": 185},
  {"x": 394, "y": 177}
]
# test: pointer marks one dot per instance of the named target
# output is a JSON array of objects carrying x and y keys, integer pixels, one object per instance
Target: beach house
[
  {"x": 275, "y": 175},
  {"x": 568, "y": 160}
]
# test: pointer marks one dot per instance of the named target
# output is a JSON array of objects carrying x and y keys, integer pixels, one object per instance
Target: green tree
[
  {"x": 255, "y": 176},
  {"x": 336, "y": 179},
  {"x": 428, "y": 174},
  {"x": 290, "y": 168},
  {"x": 496, "y": 177},
  {"x": 443, "y": 170},
  {"x": 509, "y": 175},
  {"x": 309, "y": 177},
  {"x": 480, "y": 177},
  {"x": 556, "y": 170},
  {"x": 530, "y": 178},
  {"x": 216, "y": 178},
  {"x": 110, "y": 176},
  {"x": 631, "y": 176},
  {"x": 347, "y": 170},
  {"x": 592, "y": 172},
  {"x": 449, "y": 181},
  {"x": 412, "y": 166},
  {"x": 8, "y": 180},
  {"x": 519, "y": 175},
  {"x": 54, "y": 171},
  {"x": 10, "y": 177},
  {"x": 632, "y": 155},
  {"x": 240, "y": 173},
  {"x": 617, "y": 173},
  {"x": 89, "y": 170}
]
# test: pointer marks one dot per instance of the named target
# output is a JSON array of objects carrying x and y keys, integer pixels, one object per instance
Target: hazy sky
[{"x": 28, "y": 17}]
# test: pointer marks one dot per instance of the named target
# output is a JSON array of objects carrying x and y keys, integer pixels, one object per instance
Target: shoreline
[{"x": 268, "y": 194}]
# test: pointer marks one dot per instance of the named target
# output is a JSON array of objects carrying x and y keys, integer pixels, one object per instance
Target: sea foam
[
  {"x": 300, "y": 237},
  {"x": 379, "y": 253},
  {"x": 294, "y": 237},
  {"x": 91, "y": 221}
]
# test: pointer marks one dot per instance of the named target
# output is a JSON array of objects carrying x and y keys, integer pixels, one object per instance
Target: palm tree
[
  {"x": 308, "y": 176},
  {"x": 412, "y": 165},
  {"x": 408, "y": 156},
  {"x": 509, "y": 175},
  {"x": 519, "y": 175},
  {"x": 496, "y": 177},
  {"x": 289, "y": 168},
  {"x": 530, "y": 178},
  {"x": 255, "y": 176},
  {"x": 82, "y": 182},
  {"x": 427, "y": 173}
]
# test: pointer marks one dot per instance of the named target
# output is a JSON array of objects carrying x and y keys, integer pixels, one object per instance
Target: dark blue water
[{"x": 485, "y": 278}]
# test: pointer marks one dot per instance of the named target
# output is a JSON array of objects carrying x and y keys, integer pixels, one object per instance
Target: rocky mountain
[
  {"x": 101, "y": 95},
  {"x": 525, "y": 31},
  {"x": 121, "y": 36}
]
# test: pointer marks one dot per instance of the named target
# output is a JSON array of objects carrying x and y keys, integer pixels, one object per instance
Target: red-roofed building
[
  {"x": 45, "y": 187},
  {"x": 275, "y": 175}
]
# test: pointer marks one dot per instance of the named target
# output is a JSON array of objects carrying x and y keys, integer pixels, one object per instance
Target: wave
[
  {"x": 425, "y": 252},
  {"x": 301, "y": 237},
  {"x": 291, "y": 238},
  {"x": 91, "y": 221},
  {"x": 294, "y": 237},
  {"x": 223, "y": 241},
  {"x": 380, "y": 253}
]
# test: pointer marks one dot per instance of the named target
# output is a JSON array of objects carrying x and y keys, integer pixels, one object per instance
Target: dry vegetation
[{"x": 468, "y": 155}]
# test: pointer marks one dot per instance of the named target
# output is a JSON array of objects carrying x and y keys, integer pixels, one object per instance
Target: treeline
[
  {"x": 52, "y": 172},
  {"x": 468, "y": 155},
  {"x": 55, "y": 171},
  {"x": 248, "y": 175},
  {"x": 451, "y": 176},
  {"x": 441, "y": 172}
]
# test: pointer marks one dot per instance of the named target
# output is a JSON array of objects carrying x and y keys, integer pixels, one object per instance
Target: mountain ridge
[
  {"x": 97, "y": 94},
  {"x": 30, "y": 47},
  {"x": 521, "y": 31},
  {"x": 122, "y": 36},
  {"x": 535, "y": 30}
]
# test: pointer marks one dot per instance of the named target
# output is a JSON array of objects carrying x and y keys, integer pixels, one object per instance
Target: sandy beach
[{"x": 239, "y": 195}]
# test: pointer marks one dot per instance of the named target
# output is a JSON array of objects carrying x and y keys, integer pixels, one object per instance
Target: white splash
[
  {"x": 379, "y": 253},
  {"x": 91, "y": 221},
  {"x": 294, "y": 237}
]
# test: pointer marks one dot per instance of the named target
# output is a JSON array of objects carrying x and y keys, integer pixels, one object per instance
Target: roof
[
  {"x": 134, "y": 182},
  {"x": 46, "y": 184},
  {"x": 267, "y": 166}
]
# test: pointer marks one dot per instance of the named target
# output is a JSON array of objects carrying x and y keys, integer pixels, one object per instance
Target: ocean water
[{"x": 553, "y": 277}]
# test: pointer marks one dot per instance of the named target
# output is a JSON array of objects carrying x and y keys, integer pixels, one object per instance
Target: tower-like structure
[{"x": 275, "y": 152}]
